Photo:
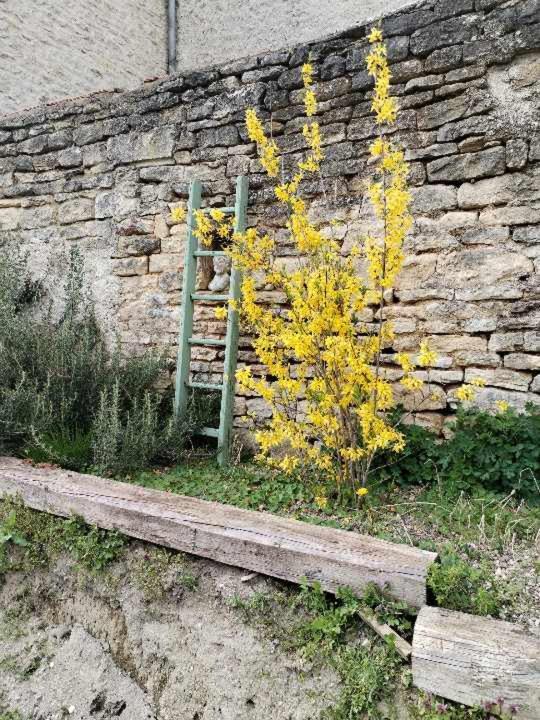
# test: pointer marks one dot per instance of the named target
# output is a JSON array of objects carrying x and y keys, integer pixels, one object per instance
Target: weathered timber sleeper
[
  {"x": 473, "y": 660},
  {"x": 279, "y": 547}
]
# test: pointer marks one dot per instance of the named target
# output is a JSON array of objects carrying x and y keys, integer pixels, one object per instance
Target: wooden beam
[
  {"x": 473, "y": 660},
  {"x": 280, "y": 547},
  {"x": 403, "y": 648}
]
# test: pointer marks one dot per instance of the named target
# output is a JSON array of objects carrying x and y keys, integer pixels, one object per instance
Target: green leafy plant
[
  {"x": 394, "y": 613},
  {"x": 457, "y": 585},
  {"x": 66, "y": 397},
  {"x": 499, "y": 452}
]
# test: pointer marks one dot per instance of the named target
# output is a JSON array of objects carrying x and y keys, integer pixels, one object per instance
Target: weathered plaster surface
[
  {"x": 215, "y": 31},
  {"x": 52, "y": 49},
  {"x": 103, "y": 173}
]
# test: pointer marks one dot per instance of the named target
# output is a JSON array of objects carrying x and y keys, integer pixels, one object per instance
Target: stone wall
[
  {"x": 52, "y": 49},
  {"x": 102, "y": 173}
]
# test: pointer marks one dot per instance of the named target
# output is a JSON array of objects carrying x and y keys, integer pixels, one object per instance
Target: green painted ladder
[{"x": 186, "y": 340}]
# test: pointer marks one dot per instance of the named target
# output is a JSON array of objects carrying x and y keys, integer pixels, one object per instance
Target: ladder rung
[
  {"x": 206, "y": 341},
  {"x": 204, "y": 386},
  {"x": 226, "y": 210},
  {"x": 209, "y": 253},
  {"x": 208, "y": 298},
  {"x": 209, "y": 432}
]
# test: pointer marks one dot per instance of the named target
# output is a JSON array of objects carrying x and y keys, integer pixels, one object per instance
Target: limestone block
[
  {"x": 522, "y": 361},
  {"x": 467, "y": 358},
  {"x": 512, "y": 215},
  {"x": 428, "y": 398},
  {"x": 535, "y": 387},
  {"x": 480, "y": 324},
  {"x": 69, "y": 158},
  {"x": 433, "y": 198},
  {"x": 473, "y": 102},
  {"x": 37, "y": 217},
  {"x": 500, "y": 377},
  {"x": 463, "y": 268},
  {"x": 506, "y": 342},
  {"x": 135, "y": 226},
  {"x": 130, "y": 266},
  {"x": 259, "y": 408},
  {"x": 468, "y": 166},
  {"x": 456, "y": 343},
  {"x": 136, "y": 245},
  {"x": 506, "y": 290},
  {"x": 480, "y": 235},
  {"x": 166, "y": 262},
  {"x": 10, "y": 218},
  {"x": 531, "y": 342},
  {"x": 498, "y": 190},
  {"x": 75, "y": 210},
  {"x": 486, "y": 398},
  {"x": 529, "y": 234},
  {"x": 133, "y": 147},
  {"x": 516, "y": 153}
]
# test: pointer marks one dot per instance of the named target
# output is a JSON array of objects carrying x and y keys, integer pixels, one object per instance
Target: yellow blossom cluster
[{"x": 324, "y": 378}]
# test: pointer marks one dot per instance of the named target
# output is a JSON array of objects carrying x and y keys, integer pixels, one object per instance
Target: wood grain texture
[
  {"x": 275, "y": 546},
  {"x": 473, "y": 660},
  {"x": 403, "y": 648}
]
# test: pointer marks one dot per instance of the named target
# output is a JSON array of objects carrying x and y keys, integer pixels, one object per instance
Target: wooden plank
[
  {"x": 403, "y": 648},
  {"x": 473, "y": 660},
  {"x": 231, "y": 337},
  {"x": 260, "y": 542}
]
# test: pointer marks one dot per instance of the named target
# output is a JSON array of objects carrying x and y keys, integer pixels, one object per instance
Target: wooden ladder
[{"x": 186, "y": 340}]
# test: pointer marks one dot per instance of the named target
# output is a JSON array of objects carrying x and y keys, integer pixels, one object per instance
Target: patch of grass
[
  {"x": 456, "y": 585},
  {"x": 10, "y": 715},
  {"x": 159, "y": 570},
  {"x": 246, "y": 486},
  {"x": 327, "y": 631},
  {"x": 40, "y": 538}
]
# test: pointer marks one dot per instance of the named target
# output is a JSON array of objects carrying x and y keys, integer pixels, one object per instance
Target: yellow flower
[
  {"x": 465, "y": 393},
  {"x": 178, "y": 214},
  {"x": 307, "y": 74},
  {"x": 502, "y": 406},
  {"x": 321, "y": 501},
  {"x": 426, "y": 357},
  {"x": 221, "y": 313},
  {"x": 375, "y": 35},
  {"x": 478, "y": 382},
  {"x": 361, "y": 492}
]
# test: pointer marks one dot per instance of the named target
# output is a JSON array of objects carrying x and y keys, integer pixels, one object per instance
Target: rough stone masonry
[{"x": 102, "y": 173}]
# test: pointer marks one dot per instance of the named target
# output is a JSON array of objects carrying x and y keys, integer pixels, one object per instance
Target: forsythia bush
[{"x": 327, "y": 389}]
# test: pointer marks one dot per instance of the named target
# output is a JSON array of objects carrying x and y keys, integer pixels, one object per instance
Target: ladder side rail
[
  {"x": 231, "y": 338},
  {"x": 181, "y": 394}
]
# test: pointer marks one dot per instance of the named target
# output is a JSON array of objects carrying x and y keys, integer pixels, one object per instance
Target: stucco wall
[
  {"x": 52, "y": 49},
  {"x": 216, "y": 31},
  {"x": 103, "y": 173}
]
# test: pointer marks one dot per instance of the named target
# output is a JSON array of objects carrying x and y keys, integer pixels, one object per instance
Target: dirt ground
[{"x": 124, "y": 646}]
